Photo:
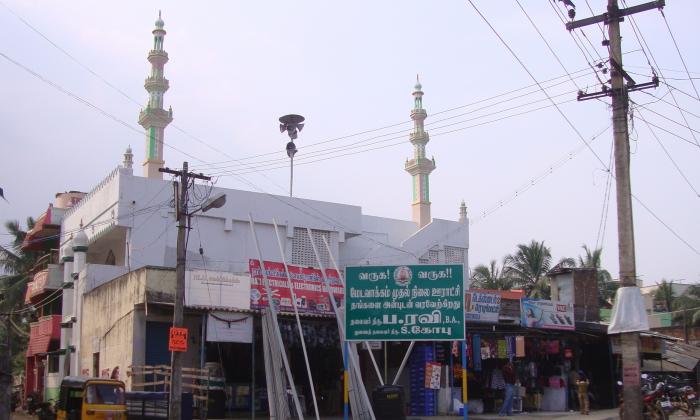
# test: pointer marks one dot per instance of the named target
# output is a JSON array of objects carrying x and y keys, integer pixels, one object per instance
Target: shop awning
[{"x": 652, "y": 365}]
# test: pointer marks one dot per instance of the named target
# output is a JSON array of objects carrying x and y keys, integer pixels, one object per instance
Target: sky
[{"x": 71, "y": 83}]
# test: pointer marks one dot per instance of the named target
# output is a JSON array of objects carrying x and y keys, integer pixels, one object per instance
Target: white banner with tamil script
[
  {"x": 217, "y": 289},
  {"x": 481, "y": 307}
]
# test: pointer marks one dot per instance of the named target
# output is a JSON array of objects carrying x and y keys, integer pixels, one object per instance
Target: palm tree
[
  {"x": 664, "y": 295},
  {"x": 528, "y": 266},
  {"x": 490, "y": 277},
  {"x": 16, "y": 265},
  {"x": 606, "y": 286},
  {"x": 688, "y": 302}
]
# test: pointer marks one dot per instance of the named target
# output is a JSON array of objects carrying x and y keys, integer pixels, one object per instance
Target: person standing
[
  {"x": 509, "y": 378},
  {"x": 582, "y": 385}
]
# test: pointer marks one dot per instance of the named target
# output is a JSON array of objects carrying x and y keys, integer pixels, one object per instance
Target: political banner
[
  {"x": 546, "y": 314},
  {"x": 310, "y": 291},
  {"x": 404, "y": 303},
  {"x": 482, "y": 307}
]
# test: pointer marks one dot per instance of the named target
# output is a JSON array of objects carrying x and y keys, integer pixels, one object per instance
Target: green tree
[
  {"x": 16, "y": 265},
  {"x": 490, "y": 277},
  {"x": 528, "y": 266},
  {"x": 664, "y": 295},
  {"x": 689, "y": 302}
]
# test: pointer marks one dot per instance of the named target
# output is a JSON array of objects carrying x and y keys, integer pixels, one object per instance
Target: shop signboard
[
  {"x": 482, "y": 307},
  {"x": 405, "y": 303},
  {"x": 311, "y": 294},
  {"x": 546, "y": 314},
  {"x": 227, "y": 327},
  {"x": 217, "y": 289}
]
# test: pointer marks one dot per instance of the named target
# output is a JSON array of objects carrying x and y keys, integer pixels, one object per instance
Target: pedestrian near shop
[
  {"x": 582, "y": 385},
  {"x": 509, "y": 378}
]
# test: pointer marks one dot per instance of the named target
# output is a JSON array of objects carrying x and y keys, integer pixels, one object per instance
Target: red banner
[{"x": 311, "y": 294}]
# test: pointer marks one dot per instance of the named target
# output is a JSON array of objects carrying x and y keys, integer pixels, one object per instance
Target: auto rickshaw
[{"x": 82, "y": 398}]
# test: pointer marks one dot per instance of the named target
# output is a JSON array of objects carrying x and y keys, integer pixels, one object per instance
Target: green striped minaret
[
  {"x": 154, "y": 118},
  {"x": 420, "y": 166}
]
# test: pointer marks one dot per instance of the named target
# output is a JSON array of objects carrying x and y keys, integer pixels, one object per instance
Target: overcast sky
[{"x": 349, "y": 68}]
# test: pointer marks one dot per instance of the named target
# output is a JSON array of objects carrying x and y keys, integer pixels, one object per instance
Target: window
[
  {"x": 303, "y": 252},
  {"x": 454, "y": 255},
  {"x": 105, "y": 394},
  {"x": 52, "y": 363},
  {"x": 432, "y": 257}
]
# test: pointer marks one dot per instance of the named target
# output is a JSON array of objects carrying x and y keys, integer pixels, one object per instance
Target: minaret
[
  {"x": 462, "y": 212},
  {"x": 420, "y": 167},
  {"x": 128, "y": 158},
  {"x": 154, "y": 118}
]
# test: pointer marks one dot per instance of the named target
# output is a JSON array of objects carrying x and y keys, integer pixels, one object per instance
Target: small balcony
[
  {"x": 46, "y": 280},
  {"x": 42, "y": 332}
]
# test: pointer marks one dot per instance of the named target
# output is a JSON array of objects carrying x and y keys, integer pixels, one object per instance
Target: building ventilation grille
[
  {"x": 454, "y": 255},
  {"x": 303, "y": 252}
]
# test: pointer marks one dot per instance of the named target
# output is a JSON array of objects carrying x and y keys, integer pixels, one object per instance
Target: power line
[
  {"x": 517, "y": 58},
  {"x": 602, "y": 224},
  {"x": 366, "y": 142},
  {"x": 666, "y": 118},
  {"x": 653, "y": 133},
  {"x": 679, "y": 53},
  {"x": 546, "y": 43},
  {"x": 213, "y": 165},
  {"x": 535, "y": 180},
  {"x": 402, "y": 142},
  {"x": 643, "y": 43},
  {"x": 579, "y": 44},
  {"x": 657, "y": 99},
  {"x": 86, "y": 102},
  {"x": 507, "y": 46}
]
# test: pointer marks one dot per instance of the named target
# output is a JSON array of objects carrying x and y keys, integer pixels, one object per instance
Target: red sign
[
  {"x": 630, "y": 375},
  {"x": 309, "y": 289},
  {"x": 178, "y": 339}
]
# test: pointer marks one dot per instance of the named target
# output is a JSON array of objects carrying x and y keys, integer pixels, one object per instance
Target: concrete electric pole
[
  {"x": 619, "y": 92},
  {"x": 175, "y": 410}
]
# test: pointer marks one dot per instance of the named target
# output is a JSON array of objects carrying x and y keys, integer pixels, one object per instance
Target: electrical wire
[
  {"x": 87, "y": 103},
  {"x": 507, "y": 46},
  {"x": 535, "y": 180},
  {"x": 402, "y": 142},
  {"x": 675, "y": 43},
  {"x": 367, "y": 142},
  {"x": 680, "y": 171},
  {"x": 547, "y": 44},
  {"x": 217, "y": 165},
  {"x": 602, "y": 224},
  {"x": 656, "y": 67},
  {"x": 579, "y": 44}
]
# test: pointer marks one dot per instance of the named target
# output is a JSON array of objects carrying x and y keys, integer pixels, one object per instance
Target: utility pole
[
  {"x": 175, "y": 410},
  {"x": 6, "y": 372},
  {"x": 632, "y": 397}
]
